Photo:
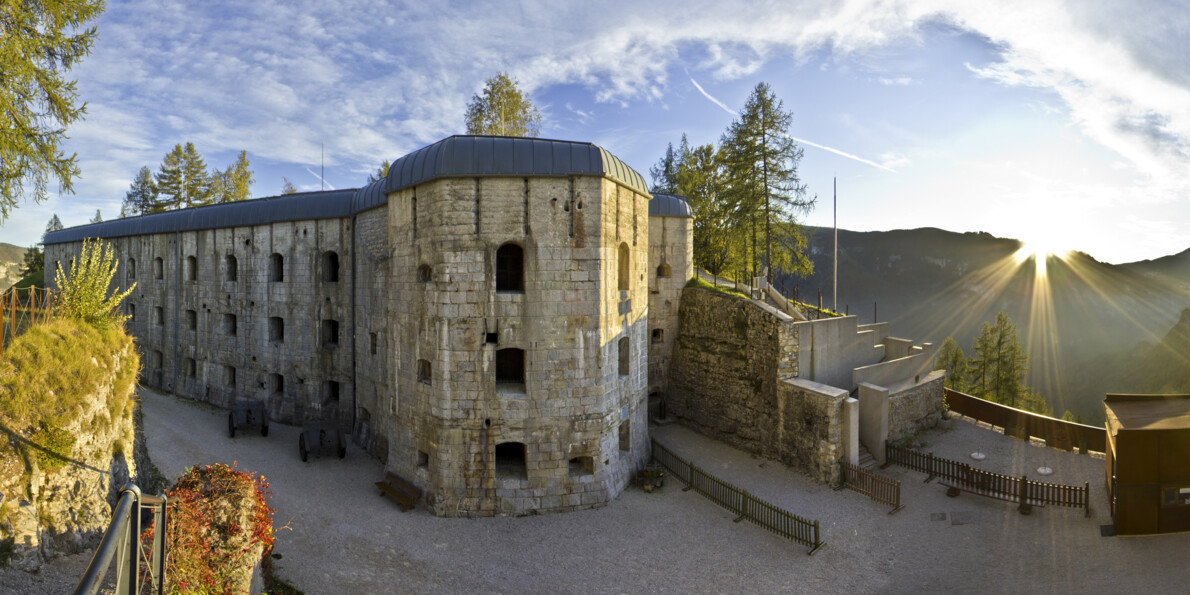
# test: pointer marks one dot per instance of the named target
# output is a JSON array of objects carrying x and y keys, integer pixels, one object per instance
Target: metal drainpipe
[{"x": 177, "y": 303}]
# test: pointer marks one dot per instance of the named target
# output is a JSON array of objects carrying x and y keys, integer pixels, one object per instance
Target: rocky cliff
[{"x": 67, "y": 415}]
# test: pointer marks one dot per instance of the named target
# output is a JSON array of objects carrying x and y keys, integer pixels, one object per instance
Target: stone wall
[
  {"x": 671, "y": 265},
  {"x": 216, "y": 320},
  {"x": 916, "y": 408},
  {"x": 576, "y": 422},
  {"x": 812, "y": 428},
  {"x": 730, "y": 357}
]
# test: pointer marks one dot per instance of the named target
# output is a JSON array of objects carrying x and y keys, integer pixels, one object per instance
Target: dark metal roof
[
  {"x": 473, "y": 156},
  {"x": 668, "y": 205},
  {"x": 261, "y": 211},
  {"x": 462, "y": 156}
]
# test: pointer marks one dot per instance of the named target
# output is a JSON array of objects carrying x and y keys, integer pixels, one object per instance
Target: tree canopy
[
  {"x": 745, "y": 194},
  {"x": 502, "y": 109},
  {"x": 39, "y": 43},
  {"x": 182, "y": 181},
  {"x": 234, "y": 183},
  {"x": 997, "y": 367}
]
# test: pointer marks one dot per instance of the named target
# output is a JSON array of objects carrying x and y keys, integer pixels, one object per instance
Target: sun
[{"x": 1041, "y": 250}]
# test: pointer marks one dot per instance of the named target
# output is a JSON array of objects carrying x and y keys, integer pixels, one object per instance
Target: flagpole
[{"x": 835, "y": 305}]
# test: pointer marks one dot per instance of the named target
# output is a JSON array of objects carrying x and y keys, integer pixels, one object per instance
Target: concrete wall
[
  {"x": 831, "y": 349},
  {"x": 899, "y": 373},
  {"x": 671, "y": 250}
]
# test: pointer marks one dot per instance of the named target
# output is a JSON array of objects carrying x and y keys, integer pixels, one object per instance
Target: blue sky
[{"x": 1039, "y": 120}]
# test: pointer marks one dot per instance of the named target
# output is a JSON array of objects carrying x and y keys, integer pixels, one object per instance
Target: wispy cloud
[
  {"x": 712, "y": 98},
  {"x": 844, "y": 154},
  {"x": 320, "y": 178}
]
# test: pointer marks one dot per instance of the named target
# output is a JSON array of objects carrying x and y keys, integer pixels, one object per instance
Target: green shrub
[
  {"x": 83, "y": 293},
  {"x": 696, "y": 281},
  {"x": 56, "y": 446}
]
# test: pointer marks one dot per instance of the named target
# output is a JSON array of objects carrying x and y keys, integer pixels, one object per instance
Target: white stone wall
[{"x": 671, "y": 242}]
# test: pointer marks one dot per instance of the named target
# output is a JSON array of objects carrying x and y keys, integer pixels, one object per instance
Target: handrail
[{"x": 122, "y": 541}]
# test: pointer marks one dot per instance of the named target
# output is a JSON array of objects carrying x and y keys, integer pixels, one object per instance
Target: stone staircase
[{"x": 866, "y": 461}]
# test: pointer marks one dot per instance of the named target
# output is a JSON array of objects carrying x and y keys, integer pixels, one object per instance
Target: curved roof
[
  {"x": 669, "y": 205},
  {"x": 289, "y": 207},
  {"x": 457, "y": 156},
  {"x": 468, "y": 156}
]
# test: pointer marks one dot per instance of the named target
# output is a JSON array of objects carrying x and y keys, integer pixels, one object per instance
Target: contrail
[
  {"x": 716, "y": 101},
  {"x": 320, "y": 178}
]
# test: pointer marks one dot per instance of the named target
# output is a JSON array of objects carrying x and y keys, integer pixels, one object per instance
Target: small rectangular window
[
  {"x": 423, "y": 459},
  {"x": 158, "y": 315},
  {"x": 229, "y": 376},
  {"x": 278, "y": 383},
  {"x": 372, "y": 342},
  {"x": 330, "y": 333},
  {"x": 191, "y": 320},
  {"x": 625, "y": 435},
  {"x": 230, "y": 326},
  {"x": 277, "y": 329},
  {"x": 189, "y": 367},
  {"x": 658, "y": 335},
  {"x": 580, "y": 466}
]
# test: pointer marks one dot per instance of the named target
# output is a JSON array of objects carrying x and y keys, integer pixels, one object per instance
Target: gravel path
[{"x": 342, "y": 537}]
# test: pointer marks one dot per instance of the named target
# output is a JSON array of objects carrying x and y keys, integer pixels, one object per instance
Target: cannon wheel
[
  {"x": 302, "y": 447},
  {"x": 231, "y": 425}
]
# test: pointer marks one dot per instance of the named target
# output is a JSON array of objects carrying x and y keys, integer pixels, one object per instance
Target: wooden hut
[{"x": 1148, "y": 462}]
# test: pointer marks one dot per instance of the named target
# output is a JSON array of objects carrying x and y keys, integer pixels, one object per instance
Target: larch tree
[
  {"x": 502, "y": 109},
  {"x": 39, "y": 43},
  {"x": 234, "y": 183},
  {"x": 950, "y": 357},
  {"x": 381, "y": 172},
  {"x": 54, "y": 225},
  {"x": 287, "y": 187},
  {"x": 97, "y": 218},
  {"x": 761, "y": 161},
  {"x": 997, "y": 368}
]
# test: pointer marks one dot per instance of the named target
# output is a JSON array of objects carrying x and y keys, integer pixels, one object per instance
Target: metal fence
[
  {"x": 1065, "y": 435},
  {"x": 136, "y": 568},
  {"x": 879, "y": 488},
  {"x": 22, "y": 308},
  {"x": 962, "y": 476},
  {"x": 740, "y": 502}
]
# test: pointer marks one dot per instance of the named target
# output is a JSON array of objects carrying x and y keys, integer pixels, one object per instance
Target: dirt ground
[{"x": 338, "y": 535}]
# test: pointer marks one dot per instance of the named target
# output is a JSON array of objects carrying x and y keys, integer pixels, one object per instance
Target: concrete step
[{"x": 866, "y": 461}]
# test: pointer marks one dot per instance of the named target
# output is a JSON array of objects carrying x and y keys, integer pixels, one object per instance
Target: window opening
[
  {"x": 191, "y": 268},
  {"x": 510, "y": 461},
  {"x": 191, "y": 320},
  {"x": 424, "y": 372},
  {"x": 625, "y": 348},
  {"x": 232, "y": 267},
  {"x": 510, "y": 366},
  {"x": 580, "y": 466},
  {"x": 330, "y": 333},
  {"x": 330, "y": 267},
  {"x": 229, "y": 325},
  {"x": 658, "y": 335},
  {"x": 276, "y": 268},
  {"x": 510, "y": 268},
  {"x": 625, "y": 270},
  {"x": 276, "y": 329}
]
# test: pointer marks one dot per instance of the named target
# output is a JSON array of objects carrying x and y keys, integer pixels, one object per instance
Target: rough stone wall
[
  {"x": 180, "y": 309},
  {"x": 671, "y": 249},
  {"x": 448, "y": 319},
  {"x": 376, "y": 386},
  {"x": 730, "y": 357},
  {"x": 810, "y": 428},
  {"x": 916, "y": 408}
]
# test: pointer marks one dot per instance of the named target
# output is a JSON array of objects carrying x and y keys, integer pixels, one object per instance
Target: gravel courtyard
[{"x": 340, "y": 536}]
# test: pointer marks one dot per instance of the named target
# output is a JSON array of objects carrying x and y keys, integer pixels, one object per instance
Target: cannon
[
  {"x": 247, "y": 413},
  {"x": 321, "y": 438}
]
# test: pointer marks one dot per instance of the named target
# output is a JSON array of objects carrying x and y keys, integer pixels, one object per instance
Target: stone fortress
[{"x": 489, "y": 319}]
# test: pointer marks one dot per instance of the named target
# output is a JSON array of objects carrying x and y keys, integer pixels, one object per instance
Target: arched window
[
  {"x": 625, "y": 349},
  {"x": 510, "y": 268},
  {"x": 191, "y": 268},
  {"x": 330, "y": 267},
  {"x": 510, "y": 366},
  {"x": 231, "y": 267},
  {"x": 424, "y": 374},
  {"x": 276, "y": 268},
  {"x": 663, "y": 270},
  {"x": 625, "y": 269},
  {"x": 425, "y": 274}
]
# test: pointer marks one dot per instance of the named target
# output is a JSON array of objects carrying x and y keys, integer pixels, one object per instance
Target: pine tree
[
  {"x": 182, "y": 180},
  {"x": 503, "y": 109},
  {"x": 997, "y": 370},
  {"x": 761, "y": 161},
  {"x": 54, "y": 225},
  {"x": 287, "y": 187},
  {"x": 39, "y": 43},
  {"x": 141, "y": 198},
  {"x": 664, "y": 173},
  {"x": 950, "y": 357},
  {"x": 97, "y": 218}
]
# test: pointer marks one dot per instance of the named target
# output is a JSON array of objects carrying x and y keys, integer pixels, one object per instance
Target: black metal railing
[
  {"x": 739, "y": 501},
  {"x": 136, "y": 567}
]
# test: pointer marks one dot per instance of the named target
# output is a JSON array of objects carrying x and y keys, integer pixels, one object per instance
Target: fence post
[
  {"x": 744, "y": 496},
  {"x": 1025, "y": 507},
  {"x": 930, "y": 463},
  {"x": 1087, "y": 498},
  {"x": 818, "y": 543}
]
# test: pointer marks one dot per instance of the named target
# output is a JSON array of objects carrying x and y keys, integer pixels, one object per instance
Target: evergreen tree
[
  {"x": 234, "y": 183},
  {"x": 664, "y": 173},
  {"x": 34, "y": 261},
  {"x": 761, "y": 161},
  {"x": 950, "y": 357},
  {"x": 54, "y": 225},
  {"x": 39, "y": 43},
  {"x": 503, "y": 109},
  {"x": 141, "y": 198},
  {"x": 287, "y": 187},
  {"x": 182, "y": 180},
  {"x": 381, "y": 172},
  {"x": 997, "y": 369},
  {"x": 97, "y": 218}
]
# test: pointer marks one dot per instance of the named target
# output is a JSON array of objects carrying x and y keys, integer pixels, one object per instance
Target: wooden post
[
  {"x": 1025, "y": 507},
  {"x": 930, "y": 463}
]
